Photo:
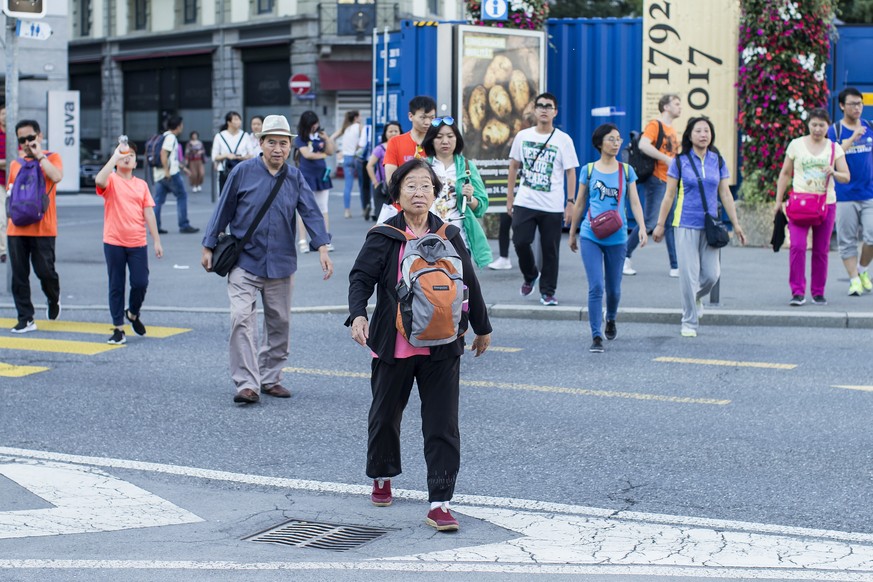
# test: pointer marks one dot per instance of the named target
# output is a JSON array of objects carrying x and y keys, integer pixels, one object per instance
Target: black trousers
[
  {"x": 525, "y": 223},
  {"x": 503, "y": 235},
  {"x": 39, "y": 251},
  {"x": 438, "y": 390}
]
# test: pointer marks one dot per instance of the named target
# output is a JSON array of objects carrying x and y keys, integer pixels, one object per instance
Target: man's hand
[
  {"x": 326, "y": 263},
  {"x": 658, "y": 233},
  {"x": 206, "y": 259},
  {"x": 159, "y": 252}
]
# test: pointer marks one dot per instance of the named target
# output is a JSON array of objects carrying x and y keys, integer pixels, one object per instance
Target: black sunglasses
[{"x": 26, "y": 138}]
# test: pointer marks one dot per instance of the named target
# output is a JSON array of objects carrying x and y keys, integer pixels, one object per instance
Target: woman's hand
[
  {"x": 361, "y": 330},
  {"x": 467, "y": 191},
  {"x": 643, "y": 237},
  {"x": 573, "y": 242},
  {"x": 480, "y": 343},
  {"x": 657, "y": 234},
  {"x": 740, "y": 235}
]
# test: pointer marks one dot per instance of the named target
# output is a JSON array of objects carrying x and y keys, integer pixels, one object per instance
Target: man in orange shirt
[
  {"x": 404, "y": 147},
  {"x": 35, "y": 243},
  {"x": 659, "y": 141}
]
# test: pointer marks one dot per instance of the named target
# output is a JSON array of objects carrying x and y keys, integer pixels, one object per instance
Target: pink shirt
[{"x": 402, "y": 348}]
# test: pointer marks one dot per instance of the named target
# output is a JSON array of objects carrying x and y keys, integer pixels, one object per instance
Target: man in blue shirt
[
  {"x": 268, "y": 262},
  {"x": 855, "y": 199}
]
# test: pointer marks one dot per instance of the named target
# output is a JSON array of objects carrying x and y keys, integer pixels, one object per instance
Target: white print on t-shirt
[{"x": 538, "y": 174}]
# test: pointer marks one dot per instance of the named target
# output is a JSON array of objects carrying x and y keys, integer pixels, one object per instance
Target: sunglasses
[
  {"x": 26, "y": 138},
  {"x": 437, "y": 121},
  {"x": 546, "y": 106}
]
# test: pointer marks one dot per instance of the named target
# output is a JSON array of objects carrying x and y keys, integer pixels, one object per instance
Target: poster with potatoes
[{"x": 499, "y": 74}]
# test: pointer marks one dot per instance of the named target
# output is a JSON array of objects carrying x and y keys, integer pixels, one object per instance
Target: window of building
[
  {"x": 190, "y": 11},
  {"x": 140, "y": 14},
  {"x": 433, "y": 6},
  {"x": 85, "y": 18},
  {"x": 265, "y": 6}
]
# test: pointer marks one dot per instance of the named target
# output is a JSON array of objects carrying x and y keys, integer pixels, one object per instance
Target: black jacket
[{"x": 376, "y": 267}]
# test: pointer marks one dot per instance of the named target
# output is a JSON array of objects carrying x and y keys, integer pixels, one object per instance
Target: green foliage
[
  {"x": 784, "y": 48},
  {"x": 855, "y": 11}
]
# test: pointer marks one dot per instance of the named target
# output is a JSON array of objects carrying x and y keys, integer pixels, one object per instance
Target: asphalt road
[{"x": 622, "y": 432}]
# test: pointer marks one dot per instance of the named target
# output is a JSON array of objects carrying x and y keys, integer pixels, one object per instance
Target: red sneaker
[
  {"x": 381, "y": 496},
  {"x": 442, "y": 519}
]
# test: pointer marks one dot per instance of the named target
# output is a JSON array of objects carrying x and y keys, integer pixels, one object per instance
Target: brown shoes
[
  {"x": 246, "y": 396},
  {"x": 277, "y": 391}
]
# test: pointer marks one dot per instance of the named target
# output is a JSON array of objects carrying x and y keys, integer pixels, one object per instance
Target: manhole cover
[{"x": 322, "y": 536}]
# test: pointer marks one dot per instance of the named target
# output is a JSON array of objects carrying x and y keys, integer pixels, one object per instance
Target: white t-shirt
[
  {"x": 350, "y": 139},
  {"x": 241, "y": 143},
  {"x": 542, "y": 187},
  {"x": 171, "y": 146},
  {"x": 445, "y": 205}
]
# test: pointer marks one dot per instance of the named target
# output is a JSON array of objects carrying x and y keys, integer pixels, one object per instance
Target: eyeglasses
[
  {"x": 413, "y": 188},
  {"x": 437, "y": 121},
  {"x": 613, "y": 140},
  {"x": 855, "y": 104},
  {"x": 545, "y": 106},
  {"x": 26, "y": 138}
]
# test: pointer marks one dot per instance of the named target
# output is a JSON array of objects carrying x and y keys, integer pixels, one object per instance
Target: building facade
[{"x": 137, "y": 62}]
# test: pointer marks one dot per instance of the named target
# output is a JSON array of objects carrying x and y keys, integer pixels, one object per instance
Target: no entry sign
[{"x": 300, "y": 84}]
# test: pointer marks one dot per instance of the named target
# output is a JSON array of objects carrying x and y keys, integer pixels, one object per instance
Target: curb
[{"x": 713, "y": 315}]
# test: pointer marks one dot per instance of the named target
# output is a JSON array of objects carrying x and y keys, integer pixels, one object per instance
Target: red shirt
[{"x": 401, "y": 148}]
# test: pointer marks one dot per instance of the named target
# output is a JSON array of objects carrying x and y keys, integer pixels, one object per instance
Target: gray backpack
[{"x": 431, "y": 295}]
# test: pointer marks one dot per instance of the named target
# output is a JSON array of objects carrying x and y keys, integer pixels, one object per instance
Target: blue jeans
[
  {"x": 177, "y": 186},
  {"x": 651, "y": 194},
  {"x": 599, "y": 260},
  {"x": 118, "y": 261},
  {"x": 349, "y": 179}
]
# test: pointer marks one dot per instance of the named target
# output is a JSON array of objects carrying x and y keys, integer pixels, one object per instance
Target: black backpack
[
  {"x": 153, "y": 150},
  {"x": 642, "y": 164}
]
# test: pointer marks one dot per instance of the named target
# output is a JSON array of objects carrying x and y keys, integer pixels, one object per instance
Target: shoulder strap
[
  {"x": 699, "y": 181},
  {"x": 392, "y": 232},
  {"x": 280, "y": 178},
  {"x": 241, "y": 138},
  {"x": 441, "y": 231},
  {"x": 838, "y": 133},
  {"x": 221, "y": 135},
  {"x": 621, "y": 170},
  {"x": 590, "y": 170},
  {"x": 542, "y": 147},
  {"x": 831, "y": 163},
  {"x": 660, "y": 140}
]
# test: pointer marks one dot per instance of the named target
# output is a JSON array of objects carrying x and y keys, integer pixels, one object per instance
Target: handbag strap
[
  {"x": 699, "y": 180},
  {"x": 266, "y": 206},
  {"x": 831, "y": 163},
  {"x": 621, "y": 170}
]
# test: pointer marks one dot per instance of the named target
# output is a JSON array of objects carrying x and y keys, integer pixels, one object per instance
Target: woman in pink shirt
[{"x": 128, "y": 209}]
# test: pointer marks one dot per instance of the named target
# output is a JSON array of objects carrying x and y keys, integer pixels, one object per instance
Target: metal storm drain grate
[{"x": 322, "y": 536}]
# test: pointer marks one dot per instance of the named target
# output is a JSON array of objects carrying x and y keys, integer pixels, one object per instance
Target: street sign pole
[{"x": 11, "y": 112}]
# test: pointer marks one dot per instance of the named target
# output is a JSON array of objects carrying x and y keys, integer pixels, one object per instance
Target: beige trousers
[{"x": 255, "y": 364}]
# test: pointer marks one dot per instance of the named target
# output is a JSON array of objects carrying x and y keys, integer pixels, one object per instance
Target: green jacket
[{"x": 479, "y": 247}]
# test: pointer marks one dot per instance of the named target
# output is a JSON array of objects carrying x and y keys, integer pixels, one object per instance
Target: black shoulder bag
[
  {"x": 539, "y": 153},
  {"x": 228, "y": 248},
  {"x": 716, "y": 234}
]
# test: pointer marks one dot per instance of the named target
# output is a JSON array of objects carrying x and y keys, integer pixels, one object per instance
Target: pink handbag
[
  {"x": 809, "y": 209},
  {"x": 608, "y": 223}
]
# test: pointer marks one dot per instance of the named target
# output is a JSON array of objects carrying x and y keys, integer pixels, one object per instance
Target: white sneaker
[
  {"x": 303, "y": 246},
  {"x": 628, "y": 268},
  {"x": 24, "y": 327},
  {"x": 330, "y": 248},
  {"x": 674, "y": 273},
  {"x": 501, "y": 264},
  {"x": 688, "y": 332}
]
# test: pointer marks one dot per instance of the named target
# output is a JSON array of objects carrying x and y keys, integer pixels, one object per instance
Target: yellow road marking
[
  {"x": 732, "y": 363},
  {"x": 499, "y": 349},
  {"x": 13, "y": 371},
  {"x": 533, "y": 388},
  {"x": 95, "y": 328},
  {"x": 864, "y": 388},
  {"x": 56, "y": 346}
]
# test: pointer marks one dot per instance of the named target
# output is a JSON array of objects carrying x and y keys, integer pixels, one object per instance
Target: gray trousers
[
  {"x": 253, "y": 366},
  {"x": 699, "y": 270}
]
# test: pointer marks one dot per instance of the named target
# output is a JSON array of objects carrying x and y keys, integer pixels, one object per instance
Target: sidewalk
[{"x": 753, "y": 290}]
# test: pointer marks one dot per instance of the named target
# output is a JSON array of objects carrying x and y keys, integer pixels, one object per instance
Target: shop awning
[{"x": 345, "y": 75}]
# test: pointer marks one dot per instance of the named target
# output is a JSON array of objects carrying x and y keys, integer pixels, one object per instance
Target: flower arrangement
[
  {"x": 523, "y": 14},
  {"x": 784, "y": 47}
]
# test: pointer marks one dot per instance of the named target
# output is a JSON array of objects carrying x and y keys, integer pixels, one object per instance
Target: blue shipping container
[{"x": 591, "y": 63}]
